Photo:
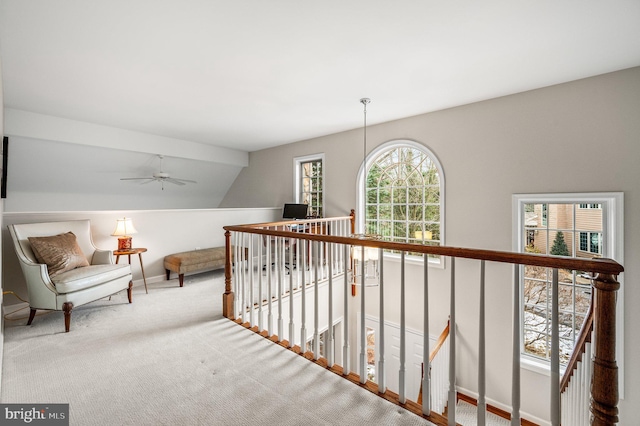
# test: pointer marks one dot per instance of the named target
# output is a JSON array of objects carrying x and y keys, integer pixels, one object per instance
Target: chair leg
[
  {"x": 130, "y": 291},
  {"x": 67, "y": 307},
  {"x": 32, "y": 315}
]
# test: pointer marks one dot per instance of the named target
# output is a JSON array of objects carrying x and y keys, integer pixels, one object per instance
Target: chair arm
[
  {"x": 42, "y": 292},
  {"x": 102, "y": 257}
]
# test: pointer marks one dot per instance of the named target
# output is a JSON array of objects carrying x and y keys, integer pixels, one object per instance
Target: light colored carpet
[
  {"x": 466, "y": 414},
  {"x": 171, "y": 359}
]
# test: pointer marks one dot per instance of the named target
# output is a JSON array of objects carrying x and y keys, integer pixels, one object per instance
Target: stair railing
[
  {"x": 436, "y": 381},
  {"x": 316, "y": 265},
  {"x": 575, "y": 383}
]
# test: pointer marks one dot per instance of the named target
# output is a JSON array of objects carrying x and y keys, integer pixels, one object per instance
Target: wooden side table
[{"x": 128, "y": 253}]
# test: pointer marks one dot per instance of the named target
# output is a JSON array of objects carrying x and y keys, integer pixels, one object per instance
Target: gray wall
[
  {"x": 582, "y": 136},
  {"x": 162, "y": 232},
  {"x": 57, "y": 164}
]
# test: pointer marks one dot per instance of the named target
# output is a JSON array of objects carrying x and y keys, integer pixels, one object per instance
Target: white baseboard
[{"x": 501, "y": 406}]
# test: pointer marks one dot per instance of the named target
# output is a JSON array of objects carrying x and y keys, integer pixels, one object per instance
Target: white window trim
[
  {"x": 360, "y": 196},
  {"x": 297, "y": 161},
  {"x": 613, "y": 228}
]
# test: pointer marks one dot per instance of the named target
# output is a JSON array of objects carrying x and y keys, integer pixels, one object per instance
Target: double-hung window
[
  {"x": 309, "y": 183},
  {"x": 576, "y": 225}
]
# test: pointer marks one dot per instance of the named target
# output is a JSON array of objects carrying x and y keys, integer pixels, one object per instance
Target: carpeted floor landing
[{"x": 171, "y": 359}]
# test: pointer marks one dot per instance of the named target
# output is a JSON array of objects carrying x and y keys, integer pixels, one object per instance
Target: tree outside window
[
  {"x": 403, "y": 200},
  {"x": 557, "y": 229},
  {"x": 310, "y": 184}
]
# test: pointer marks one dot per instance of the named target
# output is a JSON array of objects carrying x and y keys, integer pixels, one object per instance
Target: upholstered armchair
[{"x": 63, "y": 268}]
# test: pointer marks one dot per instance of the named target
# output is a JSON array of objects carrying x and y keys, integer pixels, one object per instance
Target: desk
[
  {"x": 320, "y": 228},
  {"x": 128, "y": 253}
]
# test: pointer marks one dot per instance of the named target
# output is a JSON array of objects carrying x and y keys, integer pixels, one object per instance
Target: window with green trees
[
  {"x": 310, "y": 183},
  {"x": 404, "y": 194}
]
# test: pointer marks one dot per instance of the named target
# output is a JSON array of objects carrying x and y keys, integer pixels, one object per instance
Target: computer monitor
[{"x": 294, "y": 211}]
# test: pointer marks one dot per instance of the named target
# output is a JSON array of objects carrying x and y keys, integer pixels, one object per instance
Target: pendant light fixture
[{"x": 369, "y": 275}]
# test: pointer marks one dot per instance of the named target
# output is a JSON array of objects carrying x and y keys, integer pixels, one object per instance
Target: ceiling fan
[{"x": 161, "y": 177}]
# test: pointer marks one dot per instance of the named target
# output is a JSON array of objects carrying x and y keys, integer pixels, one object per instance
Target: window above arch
[{"x": 404, "y": 194}]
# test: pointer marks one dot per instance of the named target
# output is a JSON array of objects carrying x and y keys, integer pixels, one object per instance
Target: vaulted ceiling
[{"x": 253, "y": 74}]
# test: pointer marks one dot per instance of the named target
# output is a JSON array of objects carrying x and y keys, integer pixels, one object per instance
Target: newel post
[
  {"x": 352, "y": 215},
  {"x": 604, "y": 383},
  {"x": 227, "y": 297}
]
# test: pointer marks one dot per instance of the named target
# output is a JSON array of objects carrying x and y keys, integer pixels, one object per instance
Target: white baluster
[
  {"x": 402, "y": 394},
  {"x": 381, "y": 373},
  {"x": 243, "y": 301},
  {"x": 270, "y": 287},
  {"x": 260, "y": 289},
  {"x": 426, "y": 341},
  {"x": 251, "y": 280},
  {"x": 482, "y": 406},
  {"x": 345, "y": 328},
  {"x": 555, "y": 353},
  {"x": 236, "y": 275},
  {"x": 279, "y": 278},
  {"x": 329, "y": 343},
  {"x": 303, "y": 298},
  {"x": 577, "y": 391},
  {"x": 451, "y": 418},
  {"x": 586, "y": 394},
  {"x": 299, "y": 265},
  {"x": 515, "y": 372},
  {"x": 291, "y": 324},
  {"x": 363, "y": 336},
  {"x": 316, "y": 301}
]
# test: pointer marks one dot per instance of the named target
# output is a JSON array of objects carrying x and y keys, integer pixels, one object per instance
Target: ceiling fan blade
[
  {"x": 174, "y": 181},
  {"x": 185, "y": 180},
  {"x": 140, "y": 178}
]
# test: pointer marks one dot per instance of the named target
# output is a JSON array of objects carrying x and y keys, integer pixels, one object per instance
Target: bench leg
[
  {"x": 181, "y": 278},
  {"x": 168, "y": 274},
  {"x": 67, "y": 307},
  {"x": 32, "y": 315}
]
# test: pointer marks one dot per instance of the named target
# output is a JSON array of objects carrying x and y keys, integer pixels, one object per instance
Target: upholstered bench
[{"x": 193, "y": 261}]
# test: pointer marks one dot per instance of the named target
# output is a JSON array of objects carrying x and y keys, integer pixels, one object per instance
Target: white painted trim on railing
[
  {"x": 516, "y": 342},
  {"x": 452, "y": 344},
  {"x": 426, "y": 347},
  {"x": 402, "y": 393},
  {"x": 382, "y": 374},
  {"x": 345, "y": 345},
  {"x": 482, "y": 384}
]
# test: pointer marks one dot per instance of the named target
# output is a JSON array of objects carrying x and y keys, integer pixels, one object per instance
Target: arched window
[{"x": 404, "y": 194}]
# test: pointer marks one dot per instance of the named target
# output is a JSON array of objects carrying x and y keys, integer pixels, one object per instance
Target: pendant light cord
[{"x": 364, "y": 102}]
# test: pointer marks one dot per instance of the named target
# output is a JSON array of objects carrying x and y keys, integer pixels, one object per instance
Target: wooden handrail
[
  {"x": 439, "y": 343},
  {"x": 604, "y": 385},
  {"x": 603, "y": 266},
  {"x": 297, "y": 222},
  {"x": 434, "y": 352},
  {"x": 584, "y": 337}
]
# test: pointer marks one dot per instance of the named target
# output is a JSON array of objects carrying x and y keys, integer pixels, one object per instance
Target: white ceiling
[{"x": 253, "y": 74}]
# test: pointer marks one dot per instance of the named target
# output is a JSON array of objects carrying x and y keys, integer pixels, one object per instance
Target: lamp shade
[
  {"x": 370, "y": 253},
  {"x": 124, "y": 227},
  {"x": 428, "y": 235}
]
